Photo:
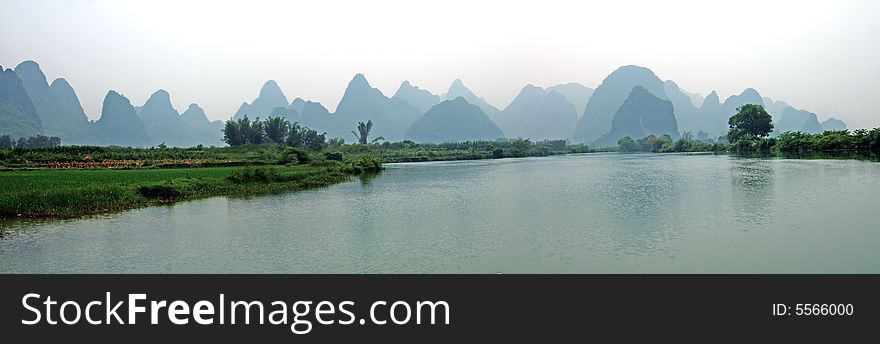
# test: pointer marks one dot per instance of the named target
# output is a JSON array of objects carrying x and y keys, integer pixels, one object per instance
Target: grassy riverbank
[
  {"x": 74, "y": 192},
  {"x": 73, "y": 181}
]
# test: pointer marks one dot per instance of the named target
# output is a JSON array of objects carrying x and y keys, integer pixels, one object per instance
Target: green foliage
[
  {"x": 363, "y": 132},
  {"x": 36, "y": 141},
  {"x": 626, "y": 144},
  {"x": 334, "y": 156},
  {"x": 832, "y": 140},
  {"x": 276, "y": 129},
  {"x": 497, "y": 153},
  {"x": 272, "y": 130},
  {"x": 749, "y": 120},
  {"x": 261, "y": 175},
  {"x": 64, "y": 193},
  {"x": 295, "y": 155},
  {"x": 650, "y": 143},
  {"x": 5, "y": 141},
  {"x": 243, "y": 131},
  {"x": 752, "y": 144},
  {"x": 664, "y": 144},
  {"x": 163, "y": 191},
  {"x": 364, "y": 164}
]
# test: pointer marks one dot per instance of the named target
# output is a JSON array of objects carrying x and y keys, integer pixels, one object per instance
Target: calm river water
[{"x": 594, "y": 213}]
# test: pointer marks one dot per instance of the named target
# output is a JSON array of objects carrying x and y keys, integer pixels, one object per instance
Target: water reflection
[
  {"x": 752, "y": 190},
  {"x": 368, "y": 178},
  {"x": 638, "y": 195}
]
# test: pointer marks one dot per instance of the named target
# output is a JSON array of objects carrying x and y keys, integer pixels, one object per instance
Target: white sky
[{"x": 823, "y": 56}]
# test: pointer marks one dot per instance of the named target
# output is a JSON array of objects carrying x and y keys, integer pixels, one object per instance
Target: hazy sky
[{"x": 822, "y": 56}]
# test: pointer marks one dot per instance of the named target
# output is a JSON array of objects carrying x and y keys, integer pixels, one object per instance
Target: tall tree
[
  {"x": 363, "y": 132},
  {"x": 277, "y": 129},
  {"x": 749, "y": 120}
]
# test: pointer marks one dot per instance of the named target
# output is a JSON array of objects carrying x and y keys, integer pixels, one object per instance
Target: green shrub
[
  {"x": 498, "y": 153},
  {"x": 295, "y": 155},
  {"x": 334, "y": 156},
  {"x": 364, "y": 164},
  {"x": 158, "y": 191}
]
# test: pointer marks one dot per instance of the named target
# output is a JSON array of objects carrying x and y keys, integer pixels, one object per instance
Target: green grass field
[{"x": 65, "y": 193}]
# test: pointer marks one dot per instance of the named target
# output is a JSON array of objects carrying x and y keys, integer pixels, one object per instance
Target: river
[{"x": 591, "y": 213}]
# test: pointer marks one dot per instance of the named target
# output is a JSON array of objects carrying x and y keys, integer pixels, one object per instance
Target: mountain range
[
  {"x": 641, "y": 114},
  {"x": 454, "y": 120},
  {"x": 538, "y": 114},
  {"x": 631, "y": 101}
]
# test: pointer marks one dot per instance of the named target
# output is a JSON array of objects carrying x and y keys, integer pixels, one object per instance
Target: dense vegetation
[
  {"x": 749, "y": 129},
  {"x": 834, "y": 140},
  {"x": 36, "y": 141},
  {"x": 276, "y": 130},
  {"x": 73, "y": 192},
  {"x": 664, "y": 144}
]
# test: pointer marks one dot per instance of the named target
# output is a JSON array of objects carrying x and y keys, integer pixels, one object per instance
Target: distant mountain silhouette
[
  {"x": 297, "y": 104},
  {"x": 774, "y": 108},
  {"x": 748, "y": 96},
  {"x": 361, "y": 103},
  {"x": 119, "y": 124},
  {"x": 833, "y": 124},
  {"x": 420, "y": 98},
  {"x": 537, "y": 114},
  {"x": 640, "y": 115},
  {"x": 59, "y": 117},
  {"x": 458, "y": 89},
  {"x": 798, "y": 120},
  {"x": 18, "y": 117},
  {"x": 576, "y": 94},
  {"x": 686, "y": 114},
  {"x": 163, "y": 123},
  {"x": 286, "y": 113},
  {"x": 610, "y": 95},
  {"x": 716, "y": 115},
  {"x": 270, "y": 98},
  {"x": 316, "y": 116},
  {"x": 201, "y": 129},
  {"x": 454, "y": 120},
  {"x": 696, "y": 98}
]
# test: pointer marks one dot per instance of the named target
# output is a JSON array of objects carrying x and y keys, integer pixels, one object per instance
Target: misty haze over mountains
[{"x": 631, "y": 101}]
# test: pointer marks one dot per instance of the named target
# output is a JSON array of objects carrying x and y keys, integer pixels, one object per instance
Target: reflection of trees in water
[
  {"x": 842, "y": 155},
  {"x": 368, "y": 178},
  {"x": 752, "y": 190}
]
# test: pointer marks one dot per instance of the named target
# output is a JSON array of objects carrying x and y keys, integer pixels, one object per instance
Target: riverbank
[
  {"x": 63, "y": 182},
  {"x": 66, "y": 193}
]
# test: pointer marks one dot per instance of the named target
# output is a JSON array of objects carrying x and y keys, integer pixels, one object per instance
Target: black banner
[{"x": 463, "y": 308}]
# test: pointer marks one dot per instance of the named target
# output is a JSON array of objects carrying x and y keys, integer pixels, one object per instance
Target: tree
[
  {"x": 255, "y": 132},
  {"x": 363, "y": 132},
  {"x": 38, "y": 141},
  {"x": 314, "y": 141},
  {"x": 626, "y": 144},
  {"x": 232, "y": 132},
  {"x": 295, "y": 135},
  {"x": 749, "y": 120},
  {"x": 5, "y": 141},
  {"x": 276, "y": 129}
]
